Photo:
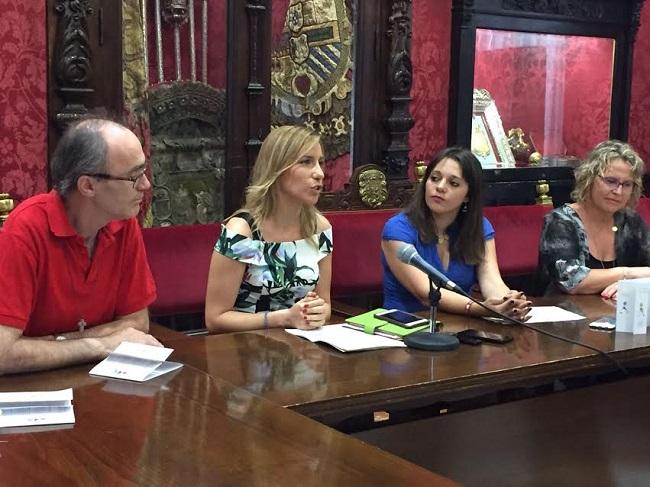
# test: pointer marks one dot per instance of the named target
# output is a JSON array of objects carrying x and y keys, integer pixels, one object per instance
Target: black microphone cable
[
  {"x": 515, "y": 321},
  {"x": 409, "y": 255}
]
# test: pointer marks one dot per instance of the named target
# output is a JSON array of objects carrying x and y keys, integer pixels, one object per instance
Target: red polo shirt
[{"x": 47, "y": 280}]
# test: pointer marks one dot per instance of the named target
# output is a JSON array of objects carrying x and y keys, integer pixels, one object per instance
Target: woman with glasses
[
  {"x": 586, "y": 247},
  {"x": 272, "y": 264}
]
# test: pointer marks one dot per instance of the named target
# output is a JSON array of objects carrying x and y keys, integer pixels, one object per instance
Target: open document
[
  {"x": 135, "y": 361},
  {"x": 346, "y": 339},
  {"x": 36, "y": 408},
  {"x": 543, "y": 314}
]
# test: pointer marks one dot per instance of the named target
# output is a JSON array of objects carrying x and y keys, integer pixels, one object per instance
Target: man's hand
[{"x": 111, "y": 342}]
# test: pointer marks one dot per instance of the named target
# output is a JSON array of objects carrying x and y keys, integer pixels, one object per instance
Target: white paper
[
  {"x": 346, "y": 339},
  {"x": 36, "y": 408},
  {"x": 545, "y": 314},
  {"x": 632, "y": 301},
  {"x": 136, "y": 362},
  {"x": 640, "y": 318}
]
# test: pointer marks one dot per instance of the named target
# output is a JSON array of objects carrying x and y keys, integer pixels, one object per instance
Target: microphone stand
[{"x": 432, "y": 340}]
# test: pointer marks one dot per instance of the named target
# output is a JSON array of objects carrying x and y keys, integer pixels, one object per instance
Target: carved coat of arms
[{"x": 312, "y": 63}]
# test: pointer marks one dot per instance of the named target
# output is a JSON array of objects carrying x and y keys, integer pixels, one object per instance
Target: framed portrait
[{"x": 489, "y": 142}]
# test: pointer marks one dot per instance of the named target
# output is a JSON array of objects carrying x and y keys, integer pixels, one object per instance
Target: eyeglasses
[
  {"x": 133, "y": 179},
  {"x": 613, "y": 183}
]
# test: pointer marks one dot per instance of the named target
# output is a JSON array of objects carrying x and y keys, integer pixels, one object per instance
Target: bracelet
[
  {"x": 468, "y": 306},
  {"x": 266, "y": 320}
]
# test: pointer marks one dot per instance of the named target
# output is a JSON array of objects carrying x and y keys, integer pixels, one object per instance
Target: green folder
[{"x": 368, "y": 323}]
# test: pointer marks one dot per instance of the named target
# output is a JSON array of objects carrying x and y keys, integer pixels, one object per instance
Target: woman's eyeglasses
[{"x": 613, "y": 183}]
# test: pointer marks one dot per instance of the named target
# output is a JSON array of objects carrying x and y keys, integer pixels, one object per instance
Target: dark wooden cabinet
[{"x": 613, "y": 19}]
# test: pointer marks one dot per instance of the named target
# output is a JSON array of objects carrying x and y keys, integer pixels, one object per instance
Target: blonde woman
[
  {"x": 272, "y": 264},
  {"x": 586, "y": 247}
]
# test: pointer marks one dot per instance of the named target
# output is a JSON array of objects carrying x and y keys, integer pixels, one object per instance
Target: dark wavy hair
[{"x": 468, "y": 243}]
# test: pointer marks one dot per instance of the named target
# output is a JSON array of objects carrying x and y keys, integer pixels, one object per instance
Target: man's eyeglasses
[
  {"x": 613, "y": 183},
  {"x": 133, "y": 179}
]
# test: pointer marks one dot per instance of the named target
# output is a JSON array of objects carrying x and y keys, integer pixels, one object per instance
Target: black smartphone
[
  {"x": 401, "y": 318},
  {"x": 467, "y": 339},
  {"x": 487, "y": 336}
]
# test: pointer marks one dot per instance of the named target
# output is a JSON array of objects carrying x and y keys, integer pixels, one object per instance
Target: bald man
[{"x": 74, "y": 278}]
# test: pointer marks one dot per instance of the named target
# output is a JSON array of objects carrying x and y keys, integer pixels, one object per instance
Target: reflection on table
[
  {"x": 331, "y": 386},
  {"x": 193, "y": 430}
]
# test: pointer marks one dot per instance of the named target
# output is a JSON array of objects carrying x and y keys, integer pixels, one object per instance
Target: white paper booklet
[
  {"x": 632, "y": 302},
  {"x": 543, "y": 314},
  {"x": 36, "y": 408},
  {"x": 346, "y": 339},
  {"x": 135, "y": 361}
]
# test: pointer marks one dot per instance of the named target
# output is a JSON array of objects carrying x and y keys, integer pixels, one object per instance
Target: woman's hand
[
  {"x": 514, "y": 304},
  {"x": 309, "y": 313},
  {"x": 610, "y": 291}
]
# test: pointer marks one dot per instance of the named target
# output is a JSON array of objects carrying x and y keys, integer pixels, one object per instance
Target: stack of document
[
  {"x": 135, "y": 361},
  {"x": 346, "y": 339},
  {"x": 36, "y": 408}
]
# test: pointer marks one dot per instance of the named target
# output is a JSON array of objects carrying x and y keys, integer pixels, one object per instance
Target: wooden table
[
  {"x": 595, "y": 436},
  {"x": 187, "y": 429},
  {"x": 331, "y": 387}
]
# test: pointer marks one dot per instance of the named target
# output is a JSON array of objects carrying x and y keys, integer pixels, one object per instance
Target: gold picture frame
[{"x": 489, "y": 142}]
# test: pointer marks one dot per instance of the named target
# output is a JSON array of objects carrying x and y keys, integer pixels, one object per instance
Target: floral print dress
[{"x": 278, "y": 274}]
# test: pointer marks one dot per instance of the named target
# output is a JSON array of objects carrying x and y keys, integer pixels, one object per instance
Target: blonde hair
[
  {"x": 281, "y": 149},
  {"x": 596, "y": 164}
]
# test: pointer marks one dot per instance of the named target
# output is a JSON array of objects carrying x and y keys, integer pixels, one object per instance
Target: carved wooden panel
[
  {"x": 188, "y": 139},
  {"x": 84, "y": 62}
]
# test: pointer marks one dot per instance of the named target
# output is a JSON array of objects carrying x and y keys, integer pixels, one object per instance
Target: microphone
[{"x": 409, "y": 255}]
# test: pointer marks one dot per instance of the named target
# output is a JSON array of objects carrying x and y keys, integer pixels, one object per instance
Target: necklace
[
  {"x": 440, "y": 239},
  {"x": 82, "y": 323}
]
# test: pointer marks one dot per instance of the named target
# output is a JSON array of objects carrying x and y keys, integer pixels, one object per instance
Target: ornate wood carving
[
  {"x": 255, "y": 9},
  {"x": 400, "y": 78},
  {"x": 569, "y": 8},
  {"x": 636, "y": 18},
  {"x": 368, "y": 190},
  {"x": 188, "y": 138},
  {"x": 72, "y": 65}
]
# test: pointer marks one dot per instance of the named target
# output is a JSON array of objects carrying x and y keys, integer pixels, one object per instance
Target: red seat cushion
[
  {"x": 356, "y": 261},
  {"x": 179, "y": 257},
  {"x": 517, "y": 231}
]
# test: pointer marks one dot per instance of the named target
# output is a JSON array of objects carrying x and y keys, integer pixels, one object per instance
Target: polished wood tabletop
[
  {"x": 328, "y": 385},
  {"x": 186, "y": 428},
  {"x": 595, "y": 436}
]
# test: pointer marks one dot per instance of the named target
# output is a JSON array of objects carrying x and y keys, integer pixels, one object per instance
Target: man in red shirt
[{"x": 73, "y": 271}]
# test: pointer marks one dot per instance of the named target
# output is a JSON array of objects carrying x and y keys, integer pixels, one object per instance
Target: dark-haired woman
[{"x": 445, "y": 223}]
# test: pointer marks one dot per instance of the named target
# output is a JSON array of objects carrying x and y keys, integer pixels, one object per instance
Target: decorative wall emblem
[
  {"x": 311, "y": 72},
  {"x": 313, "y": 58},
  {"x": 373, "y": 189}
]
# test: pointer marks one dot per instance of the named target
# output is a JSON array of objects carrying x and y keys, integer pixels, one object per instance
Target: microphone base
[{"x": 432, "y": 342}]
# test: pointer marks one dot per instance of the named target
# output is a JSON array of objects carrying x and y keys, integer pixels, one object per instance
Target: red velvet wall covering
[
  {"x": 23, "y": 127},
  {"x": 23, "y": 108},
  {"x": 639, "y": 135},
  {"x": 430, "y": 58}
]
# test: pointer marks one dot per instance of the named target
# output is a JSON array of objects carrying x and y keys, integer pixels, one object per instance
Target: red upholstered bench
[
  {"x": 356, "y": 262},
  {"x": 179, "y": 257},
  {"x": 517, "y": 231},
  {"x": 356, "y": 265}
]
